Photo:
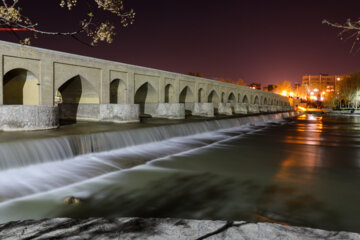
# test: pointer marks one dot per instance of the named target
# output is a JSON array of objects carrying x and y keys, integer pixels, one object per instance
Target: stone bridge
[{"x": 41, "y": 86}]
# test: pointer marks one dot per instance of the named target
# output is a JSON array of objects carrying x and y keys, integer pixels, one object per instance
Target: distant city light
[
  {"x": 284, "y": 93},
  {"x": 322, "y": 99},
  {"x": 338, "y": 79},
  {"x": 312, "y": 93},
  {"x": 316, "y": 90},
  {"x": 291, "y": 94},
  {"x": 323, "y": 93}
]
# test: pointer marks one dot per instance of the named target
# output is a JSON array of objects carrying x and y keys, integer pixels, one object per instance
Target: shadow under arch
[
  {"x": 256, "y": 100},
  {"x": 186, "y": 95},
  {"x": 231, "y": 98},
  {"x": 201, "y": 95},
  {"x": 146, "y": 93},
  {"x": 118, "y": 91},
  {"x": 222, "y": 97},
  {"x": 21, "y": 87},
  {"x": 169, "y": 93},
  {"x": 214, "y": 98},
  {"x": 265, "y": 101},
  {"x": 245, "y": 99},
  {"x": 77, "y": 90}
]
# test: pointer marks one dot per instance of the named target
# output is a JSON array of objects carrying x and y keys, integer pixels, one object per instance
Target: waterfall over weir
[
  {"x": 28, "y": 152},
  {"x": 33, "y": 166}
]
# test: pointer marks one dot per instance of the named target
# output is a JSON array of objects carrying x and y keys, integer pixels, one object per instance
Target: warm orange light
[
  {"x": 322, "y": 99},
  {"x": 302, "y": 109},
  {"x": 284, "y": 93},
  {"x": 323, "y": 93},
  {"x": 291, "y": 94},
  {"x": 338, "y": 79},
  {"x": 312, "y": 93},
  {"x": 316, "y": 90}
]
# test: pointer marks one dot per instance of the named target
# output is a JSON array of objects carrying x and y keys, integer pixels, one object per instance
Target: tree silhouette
[{"x": 92, "y": 28}]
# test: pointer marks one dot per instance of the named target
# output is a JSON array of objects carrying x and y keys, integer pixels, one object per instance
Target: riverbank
[{"x": 160, "y": 229}]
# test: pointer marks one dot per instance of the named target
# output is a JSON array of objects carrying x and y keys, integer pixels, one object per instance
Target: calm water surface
[{"x": 303, "y": 171}]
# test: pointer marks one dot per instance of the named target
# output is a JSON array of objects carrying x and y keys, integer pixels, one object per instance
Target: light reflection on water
[{"x": 305, "y": 172}]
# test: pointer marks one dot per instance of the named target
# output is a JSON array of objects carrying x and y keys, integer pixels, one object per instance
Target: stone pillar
[
  {"x": 177, "y": 89},
  {"x": 161, "y": 89},
  {"x": 203, "y": 109},
  {"x": 130, "y": 92},
  {"x": 165, "y": 110},
  {"x": 47, "y": 82},
  {"x": 240, "y": 108},
  {"x": 225, "y": 108},
  {"x": 104, "y": 91}
]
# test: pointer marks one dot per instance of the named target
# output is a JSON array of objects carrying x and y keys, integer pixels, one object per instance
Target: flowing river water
[{"x": 302, "y": 171}]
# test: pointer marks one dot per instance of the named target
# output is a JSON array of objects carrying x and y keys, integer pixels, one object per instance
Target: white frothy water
[{"x": 29, "y": 167}]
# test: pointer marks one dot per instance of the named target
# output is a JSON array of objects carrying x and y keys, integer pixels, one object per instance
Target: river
[{"x": 302, "y": 171}]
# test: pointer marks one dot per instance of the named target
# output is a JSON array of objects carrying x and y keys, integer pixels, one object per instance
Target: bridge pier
[
  {"x": 203, "y": 109},
  {"x": 240, "y": 108},
  {"x": 253, "y": 108},
  {"x": 263, "y": 109},
  {"x": 26, "y": 117},
  {"x": 225, "y": 108},
  {"x": 120, "y": 113},
  {"x": 165, "y": 110}
]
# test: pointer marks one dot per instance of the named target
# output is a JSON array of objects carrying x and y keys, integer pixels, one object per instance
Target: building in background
[
  {"x": 317, "y": 87},
  {"x": 322, "y": 82}
]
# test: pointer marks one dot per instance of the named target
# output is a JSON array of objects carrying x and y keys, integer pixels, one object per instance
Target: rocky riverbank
[{"x": 159, "y": 229}]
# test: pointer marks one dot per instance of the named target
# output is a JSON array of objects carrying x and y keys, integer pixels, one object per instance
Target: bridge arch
[
  {"x": 118, "y": 91},
  {"x": 146, "y": 93},
  {"x": 239, "y": 97},
  {"x": 170, "y": 93},
  {"x": 256, "y": 100},
  {"x": 265, "y": 101},
  {"x": 21, "y": 86},
  {"x": 231, "y": 98},
  {"x": 245, "y": 99},
  {"x": 186, "y": 95},
  {"x": 77, "y": 90},
  {"x": 213, "y": 97}
]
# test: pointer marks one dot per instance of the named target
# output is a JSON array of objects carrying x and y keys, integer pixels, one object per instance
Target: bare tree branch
[{"x": 91, "y": 28}]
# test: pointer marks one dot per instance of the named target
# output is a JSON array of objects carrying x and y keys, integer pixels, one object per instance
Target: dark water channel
[{"x": 303, "y": 171}]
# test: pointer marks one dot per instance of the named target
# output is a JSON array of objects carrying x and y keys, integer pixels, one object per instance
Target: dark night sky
[{"x": 259, "y": 41}]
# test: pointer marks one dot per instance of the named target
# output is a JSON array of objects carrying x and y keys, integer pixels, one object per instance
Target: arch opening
[
  {"x": 186, "y": 95},
  {"x": 169, "y": 93},
  {"x": 222, "y": 97},
  {"x": 201, "y": 95},
  {"x": 118, "y": 91},
  {"x": 245, "y": 99},
  {"x": 213, "y": 97},
  {"x": 265, "y": 101},
  {"x": 231, "y": 98},
  {"x": 77, "y": 90},
  {"x": 146, "y": 93},
  {"x": 21, "y": 87},
  {"x": 256, "y": 100}
]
